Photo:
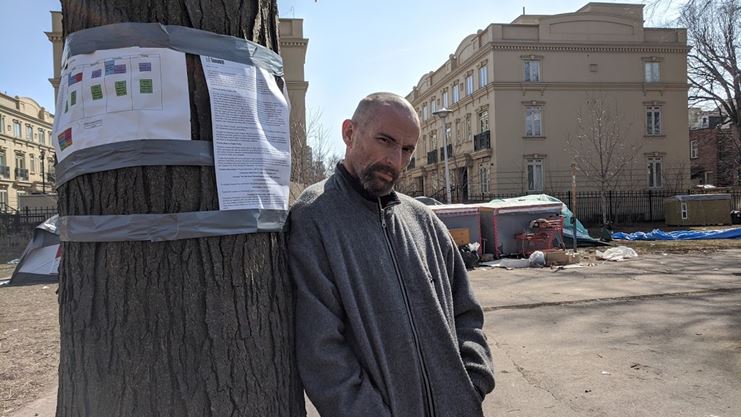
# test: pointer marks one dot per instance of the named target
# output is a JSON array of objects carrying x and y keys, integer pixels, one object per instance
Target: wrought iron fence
[
  {"x": 621, "y": 206},
  {"x": 13, "y": 220}
]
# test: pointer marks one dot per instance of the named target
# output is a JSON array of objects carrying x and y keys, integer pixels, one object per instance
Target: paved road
[{"x": 657, "y": 336}]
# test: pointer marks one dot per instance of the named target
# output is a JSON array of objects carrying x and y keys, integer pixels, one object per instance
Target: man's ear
[{"x": 347, "y": 132}]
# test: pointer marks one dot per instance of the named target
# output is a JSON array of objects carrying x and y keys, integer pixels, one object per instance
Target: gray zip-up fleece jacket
[{"x": 386, "y": 322}]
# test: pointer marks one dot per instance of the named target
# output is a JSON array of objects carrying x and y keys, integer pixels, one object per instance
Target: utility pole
[{"x": 573, "y": 201}]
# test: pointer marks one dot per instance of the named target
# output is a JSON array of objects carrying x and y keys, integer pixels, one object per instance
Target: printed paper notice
[
  {"x": 252, "y": 153},
  {"x": 119, "y": 95}
]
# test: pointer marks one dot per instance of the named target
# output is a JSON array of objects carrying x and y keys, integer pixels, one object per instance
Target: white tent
[{"x": 40, "y": 259}]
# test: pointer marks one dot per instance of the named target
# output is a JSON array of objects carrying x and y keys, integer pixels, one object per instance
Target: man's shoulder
[
  {"x": 414, "y": 206},
  {"x": 315, "y": 198}
]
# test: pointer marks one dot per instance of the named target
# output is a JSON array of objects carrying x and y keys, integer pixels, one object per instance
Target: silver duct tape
[
  {"x": 174, "y": 226},
  {"x": 179, "y": 38},
  {"x": 134, "y": 153}
]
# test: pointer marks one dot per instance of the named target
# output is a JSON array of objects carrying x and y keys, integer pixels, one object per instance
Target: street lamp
[
  {"x": 42, "y": 154},
  {"x": 443, "y": 114}
]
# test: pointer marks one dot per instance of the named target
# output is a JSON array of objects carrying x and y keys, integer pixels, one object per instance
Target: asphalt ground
[{"x": 655, "y": 336}]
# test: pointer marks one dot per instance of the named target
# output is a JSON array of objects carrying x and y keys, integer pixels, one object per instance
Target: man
[{"x": 386, "y": 322}]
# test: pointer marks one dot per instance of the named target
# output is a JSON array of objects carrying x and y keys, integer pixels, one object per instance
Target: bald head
[
  {"x": 380, "y": 140},
  {"x": 370, "y": 105}
]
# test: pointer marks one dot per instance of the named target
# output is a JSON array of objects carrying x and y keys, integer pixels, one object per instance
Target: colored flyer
[
  {"x": 119, "y": 95},
  {"x": 252, "y": 150}
]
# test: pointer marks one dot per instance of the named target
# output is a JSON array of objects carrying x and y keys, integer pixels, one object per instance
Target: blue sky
[{"x": 355, "y": 47}]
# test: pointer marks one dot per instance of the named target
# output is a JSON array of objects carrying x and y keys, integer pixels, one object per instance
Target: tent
[
  {"x": 40, "y": 260},
  {"x": 582, "y": 235}
]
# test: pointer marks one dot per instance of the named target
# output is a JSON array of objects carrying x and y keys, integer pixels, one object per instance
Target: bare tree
[
  {"x": 314, "y": 159},
  {"x": 713, "y": 30},
  {"x": 193, "y": 327},
  {"x": 601, "y": 150}
]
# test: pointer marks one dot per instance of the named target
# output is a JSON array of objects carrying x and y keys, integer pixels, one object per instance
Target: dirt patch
[{"x": 29, "y": 344}]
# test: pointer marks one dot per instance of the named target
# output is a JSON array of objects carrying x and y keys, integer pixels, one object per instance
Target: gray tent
[{"x": 40, "y": 260}]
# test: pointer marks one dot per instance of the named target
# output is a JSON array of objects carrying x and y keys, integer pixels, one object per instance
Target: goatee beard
[{"x": 373, "y": 184}]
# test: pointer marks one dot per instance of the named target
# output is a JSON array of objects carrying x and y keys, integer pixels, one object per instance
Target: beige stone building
[
  {"x": 515, "y": 91},
  {"x": 26, "y": 151}
]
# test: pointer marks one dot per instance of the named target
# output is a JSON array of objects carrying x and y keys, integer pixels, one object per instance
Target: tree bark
[{"x": 196, "y": 327}]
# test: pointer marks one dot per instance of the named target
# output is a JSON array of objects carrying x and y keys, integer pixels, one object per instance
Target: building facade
[
  {"x": 26, "y": 151},
  {"x": 517, "y": 92}
]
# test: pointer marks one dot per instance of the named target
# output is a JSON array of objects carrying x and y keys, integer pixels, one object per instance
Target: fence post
[{"x": 650, "y": 207}]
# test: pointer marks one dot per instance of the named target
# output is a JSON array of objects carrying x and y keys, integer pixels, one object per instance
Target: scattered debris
[
  {"x": 618, "y": 253},
  {"x": 14, "y": 261},
  {"x": 537, "y": 259}
]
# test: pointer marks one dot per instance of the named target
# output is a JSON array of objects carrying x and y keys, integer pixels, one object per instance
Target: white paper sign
[
  {"x": 118, "y": 95},
  {"x": 252, "y": 152}
]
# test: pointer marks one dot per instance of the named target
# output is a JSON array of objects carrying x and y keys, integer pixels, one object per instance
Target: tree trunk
[{"x": 196, "y": 327}]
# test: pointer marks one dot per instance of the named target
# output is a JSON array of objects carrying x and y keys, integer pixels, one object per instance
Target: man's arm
[
  {"x": 332, "y": 376},
  {"x": 469, "y": 321}
]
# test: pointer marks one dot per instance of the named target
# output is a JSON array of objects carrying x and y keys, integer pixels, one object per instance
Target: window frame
[
  {"x": 654, "y": 110},
  {"x": 651, "y": 71},
  {"x": 456, "y": 93},
  {"x": 534, "y": 171},
  {"x": 469, "y": 84},
  {"x": 694, "y": 149},
  {"x": 529, "y": 64},
  {"x": 530, "y": 112},
  {"x": 483, "y": 76},
  {"x": 483, "y": 179},
  {"x": 483, "y": 120},
  {"x": 653, "y": 162},
  {"x": 446, "y": 103}
]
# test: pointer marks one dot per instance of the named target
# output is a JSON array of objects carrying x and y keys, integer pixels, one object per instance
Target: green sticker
[
  {"x": 97, "y": 92},
  {"x": 120, "y": 88},
  {"x": 73, "y": 98},
  {"x": 145, "y": 86}
]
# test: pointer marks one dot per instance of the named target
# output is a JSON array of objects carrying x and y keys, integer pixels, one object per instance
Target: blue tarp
[{"x": 658, "y": 234}]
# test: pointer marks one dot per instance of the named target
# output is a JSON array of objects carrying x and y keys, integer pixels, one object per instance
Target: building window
[
  {"x": 424, "y": 112},
  {"x": 29, "y": 132},
  {"x": 469, "y": 84},
  {"x": 2, "y": 124},
  {"x": 445, "y": 99},
  {"x": 483, "y": 76},
  {"x": 534, "y": 175},
  {"x": 3, "y": 199},
  {"x": 532, "y": 71},
  {"x": 42, "y": 137},
  {"x": 457, "y": 131},
  {"x": 651, "y": 71},
  {"x": 683, "y": 208},
  {"x": 32, "y": 163},
  {"x": 16, "y": 129},
  {"x": 653, "y": 120},
  {"x": 456, "y": 93},
  {"x": 433, "y": 141},
  {"x": 694, "y": 149},
  {"x": 483, "y": 121},
  {"x": 483, "y": 179},
  {"x": 654, "y": 172},
  {"x": 469, "y": 135},
  {"x": 433, "y": 106},
  {"x": 20, "y": 161},
  {"x": 534, "y": 121},
  {"x": 4, "y": 172}
]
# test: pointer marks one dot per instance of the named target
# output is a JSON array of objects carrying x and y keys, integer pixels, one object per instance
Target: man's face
[{"x": 381, "y": 148}]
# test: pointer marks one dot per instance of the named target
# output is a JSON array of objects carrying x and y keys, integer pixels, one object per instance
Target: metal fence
[
  {"x": 13, "y": 220},
  {"x": 622, "y": 206}
]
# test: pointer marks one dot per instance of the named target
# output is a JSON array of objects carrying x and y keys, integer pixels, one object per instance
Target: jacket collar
[{"x": 354, "y": 187}]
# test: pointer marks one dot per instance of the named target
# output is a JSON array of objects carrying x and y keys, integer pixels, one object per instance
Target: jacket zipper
[{"x": 430, "y": 404}]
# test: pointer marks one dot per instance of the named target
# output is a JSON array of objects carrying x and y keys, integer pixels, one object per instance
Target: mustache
[{"x": 379, "y": 167}]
